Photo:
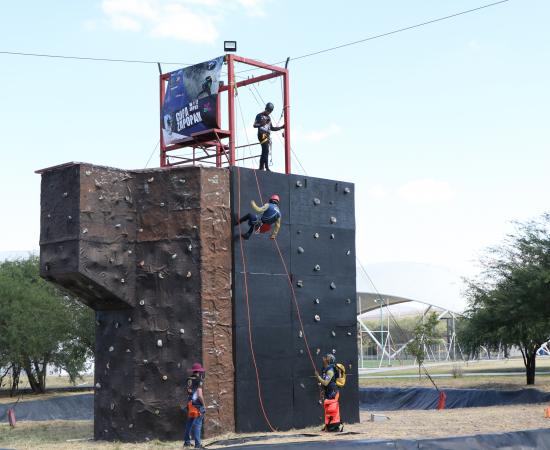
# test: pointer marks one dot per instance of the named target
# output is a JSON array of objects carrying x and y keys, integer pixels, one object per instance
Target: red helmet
[
  {"x": 274, "y": 198},
  {"x": 197, "y": 368}
]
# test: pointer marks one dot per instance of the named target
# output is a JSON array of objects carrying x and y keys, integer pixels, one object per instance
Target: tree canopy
[
  {"x": 41, "y": 325},
  {"x": 509, "y": 302}
]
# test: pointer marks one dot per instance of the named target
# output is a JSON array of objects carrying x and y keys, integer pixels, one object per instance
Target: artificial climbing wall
[
  {"x": 150, "y": 251},
  {"x": 317, "y": 245}
]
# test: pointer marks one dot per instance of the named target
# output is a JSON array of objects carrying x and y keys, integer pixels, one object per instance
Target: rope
[{"x": 248, "y": 310}]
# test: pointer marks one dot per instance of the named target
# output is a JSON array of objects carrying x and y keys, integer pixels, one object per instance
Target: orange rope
[{"x": 248, "y": 309}]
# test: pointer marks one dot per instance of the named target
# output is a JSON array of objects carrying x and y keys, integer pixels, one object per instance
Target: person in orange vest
[
  {"x": 331, "y": 404},
  {"x": 195, "y": 406}
]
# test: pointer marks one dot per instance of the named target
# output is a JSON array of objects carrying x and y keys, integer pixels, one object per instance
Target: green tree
[
  {"x": 509, "y": 302},
  {"x": 40, "y": 325},
  {"x": 424, "y": 335}
]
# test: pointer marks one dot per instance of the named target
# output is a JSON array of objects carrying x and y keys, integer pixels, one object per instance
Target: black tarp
[
  {"x": 391, "y": 399},
  {"x": 70, "y": 407},
  {"x": 528, "y": 439}
]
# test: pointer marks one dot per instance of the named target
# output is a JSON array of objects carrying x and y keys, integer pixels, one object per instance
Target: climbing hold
[
  {"x": 302, "y": 385},
  {"x": 112, "y": 406},
  {"x": 331, "y": 202},
  {"x": 101, "y": 197},
  {"x": 118, "y": 225},
  {"x": 181, "y": 180},
  {"x": 131, "y": 426},
  {"x": 88, "y": 173},
  {"x": 111, "y": 348},
  {"x": 332, "y": 285},
  {"x": 98, "y": 385},
  {"x": 122, "y": 280},
  {"x": 129, "y": 252},
  {"x": 161, "y": 275},
  {"x": 301, "y": 250},
  {"x": 317, "y": 318},
  {"x": 162, "y": 204},
  {"x": 348, "y": 300},
  {"x": 298, "y": 183},
  {"x": 333, "y": 219},
  {"x": 317, "y": 351},
  {"x": 316, "y": 235},
  {"x": 142, "y": 302},
  {"x": 182, "y": 330},
  {"x": 117, "y": 324},
  {"x": 301, "y": 351},
  {"x": 316, "y": 201},
  {"x": 69, "y": 217},
  {"x": 317, "y": 268},
  {"x": 332, "y": 235},
  {"x": 157, "y": 412},
  {"x": 128, "y": 350},
  {"x": 150, "y": 180},
  {"x": 333, "y": 333},
  {"x": 145, "y": 361},
  {"x": 65, "y": 194},
  {"x": 85, "y": 230},
  {"x": 300, "y": 334},
  {"x": 188, "y": 274},
  {"x": 347, "y": 190},
  {"x": 348, "y": 253},
  {"x": 49, "y": 216},
  {"x": 334, "y": 351},
  {"x": 174, "y": 256},
  {"x": 164, "y": 377},
  {"x": 127, "y": 198},
  {"x": 129, "y": 319},
  {"x": 140, "y": 230},
  {"x": 300, "y": 283},
  {"x": 316, "y": 301},
  {"x": 159, "y": 343},
  {"x": 349, "y": 333},
  {"x": 141, "y": 263},
  {"x": 189, "y": 247},
  {"x": 97, "y": 322}
]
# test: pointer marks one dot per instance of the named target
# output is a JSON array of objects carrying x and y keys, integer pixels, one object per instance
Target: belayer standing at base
[
  {"x": 269, "y": 214},
  {"x": 195, "y": 406},
  {"x": 327, "y": 379},
  {"x": 263, "y": 124}
]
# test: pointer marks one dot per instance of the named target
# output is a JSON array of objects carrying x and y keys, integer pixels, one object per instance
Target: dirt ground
[{"x": 401, "y": 424}]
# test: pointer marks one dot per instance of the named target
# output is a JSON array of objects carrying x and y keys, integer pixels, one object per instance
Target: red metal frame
[{"x": 212, "y": 139}]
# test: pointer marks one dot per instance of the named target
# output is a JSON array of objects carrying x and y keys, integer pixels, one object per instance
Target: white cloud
[
  {"x": 186, "y": 20},
  {"x": 425, "y": 191},
  {"x": 378, "y": 192},
  {"x": 318, "y": 135}
]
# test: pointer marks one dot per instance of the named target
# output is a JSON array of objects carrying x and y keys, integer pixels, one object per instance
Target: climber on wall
[
  {"x": 268, "y": 214},
  {"x": 327, "y": 379}
]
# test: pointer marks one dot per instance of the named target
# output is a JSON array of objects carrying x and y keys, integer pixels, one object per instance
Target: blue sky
[{"x": 444, "y": 128}]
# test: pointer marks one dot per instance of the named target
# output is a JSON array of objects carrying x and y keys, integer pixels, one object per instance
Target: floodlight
[{"x": 229, "y": 46}]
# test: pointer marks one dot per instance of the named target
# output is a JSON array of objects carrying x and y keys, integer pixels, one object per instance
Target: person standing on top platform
[{"x": 263, "y": 124}]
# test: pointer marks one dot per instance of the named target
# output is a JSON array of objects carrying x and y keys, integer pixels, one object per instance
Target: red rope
[{"x": 248, "y": 309}]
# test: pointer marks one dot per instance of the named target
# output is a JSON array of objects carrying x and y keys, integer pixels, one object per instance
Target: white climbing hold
[
  {"x": 181, "y": 180},
  {"x": 162, "y": 204},
  {"x": 161, "y": 276},
  {"x": 349, "y": 333},
  {"x": 145, "y": 361},
  {"x": 317, "y": 318},
  {"x": 332, "y": 285},
  {"x": 101, "y": 197},
  {"x": 65, "y": 194},
  {"x": 182, "y": 331},
  {"x": 98, "y": 385},
  {"x": 316, "y": 201},
  {"x": 111, "y": 348},
  {"x": 348, "y": 253},
  {"x": 88, "y": 173},
  {"x": 347, "y": 190},
  {"x": 300, "y": 334},
  {"x": 140, "y": 230},
  {"x": 150, "y": 180},
  {"x": 348, "y": 300},
  {"x": 128, "y": 350},
  {"x": 164, "y": 377},
  {"x": 333, "y": 219},
  {"x": 85, "y": 230},
  {"x": 142, "y": 302},
  {"x": 300, "y": 283},
  {"x": 316, "y": 235},
  {"x": 70, "y": 217},
  {"x": 298, "y": 183},
  {"x": 159, "y": 343},
  {"x": 131, "y": 426},
  {"x": 174, "y": 256},
  {"x": 334, "y": 351},
  {"x": 189, "y": 247},
  {"x": 332, "y": 236},
  {"x": 301, "y": 250},
  {"x": 317, "y": 351},
  {"x": 118, "y": 225},
  {"x": 316, "y": 301},
  {"x": 188, "y": 274},
  {"x": 122, "y": 280},
  {"x": 129, "y": 252},
  {"x": 317, "y": 268},
  {"x": 333, "y": 333},
  {"x": 117, "y": 324}
]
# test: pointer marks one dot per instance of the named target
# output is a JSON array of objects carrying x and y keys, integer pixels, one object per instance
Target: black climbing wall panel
[{"x": 317, "y": 243}]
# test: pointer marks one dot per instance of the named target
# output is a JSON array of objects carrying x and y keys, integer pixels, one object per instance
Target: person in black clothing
[
  {"x": 263, "y": 124},
  {"x": 331, "y": 404}
]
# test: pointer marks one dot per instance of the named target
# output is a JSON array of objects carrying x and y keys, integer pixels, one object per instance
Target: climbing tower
[{"x": 157, "y": 254}]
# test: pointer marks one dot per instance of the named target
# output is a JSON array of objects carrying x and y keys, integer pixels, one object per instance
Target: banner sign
[{"x": 191, "y": 101}]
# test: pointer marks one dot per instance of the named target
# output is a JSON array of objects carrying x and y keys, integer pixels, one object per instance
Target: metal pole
[
  {"x": 360, "y": 335},
  {"x": 231, "y": 108},
  {"x": 286, "y": 112}
]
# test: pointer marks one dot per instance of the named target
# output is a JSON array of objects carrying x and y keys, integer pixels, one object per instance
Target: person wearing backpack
[
  {"x": 195, "y": 406},
  {"x": 330, "y": 379}
]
